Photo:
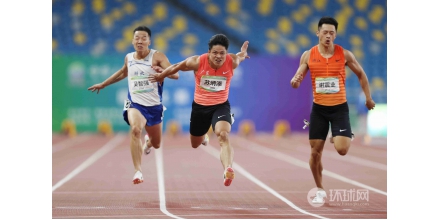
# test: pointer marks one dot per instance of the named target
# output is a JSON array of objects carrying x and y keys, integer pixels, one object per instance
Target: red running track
[{"x": 91, "y": 178}]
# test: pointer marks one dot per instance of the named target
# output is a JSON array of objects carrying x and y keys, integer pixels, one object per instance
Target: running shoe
[
  {"x": 138, "y": 178},
  {"x": 319, "y": 197},
  {"x": 228, "y": 176},
  {"x": 146, "y": 149},
  {"x": 206, "y": 140}
]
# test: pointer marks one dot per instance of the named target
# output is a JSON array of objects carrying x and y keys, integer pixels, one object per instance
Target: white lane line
[
  {"x": 222, "y": 215},
  {"x": 161, "y": 181},
  {"x": 348, "y": 158},
  {"x": 289, "y": 159},
  {"x": 215, "y": 153},
  {"x": 98, "y": 154}
]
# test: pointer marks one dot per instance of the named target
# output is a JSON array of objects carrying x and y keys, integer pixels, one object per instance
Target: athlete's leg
[
  {"x": 155, "y": 135},
  {"x": 341, "y": 129},
  {"x": 222, "y": 130},
  {"x": 315, "y": 163},
  {"x": 137, "y": 122},
  {"x": 318, "y": 130},
  {"x": 196, "y": 141},
  {"x": 199, "y": 124},
  {"x": 342, "y": 144}
]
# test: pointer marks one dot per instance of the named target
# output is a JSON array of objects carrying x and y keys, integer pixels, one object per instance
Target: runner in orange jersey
[
  {"x": 326, "y": 62},
  {"x": 213, "y": 72}
]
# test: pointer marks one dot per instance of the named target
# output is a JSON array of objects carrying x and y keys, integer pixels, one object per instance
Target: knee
[
  {"x": 136, "y": 132},
  {"x": 155, "y": 144},
  {"x": 342, "y": 151},
  {"x": 315, "y": 155},
  {"x": 223, "y": 136}
]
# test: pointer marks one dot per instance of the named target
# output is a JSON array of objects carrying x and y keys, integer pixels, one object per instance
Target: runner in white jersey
[{"x": 143, "y": 107}]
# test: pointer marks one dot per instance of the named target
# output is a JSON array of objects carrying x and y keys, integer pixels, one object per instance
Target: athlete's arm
[
  {"x": 240, "y": 56},
  {"x": 116, "y": 77},
  {"x": 302, "y": 70},
  {"x": 190, "y": 63},
  {"x": 353, "y": 64},
  {"x": 163, "y": 63}
]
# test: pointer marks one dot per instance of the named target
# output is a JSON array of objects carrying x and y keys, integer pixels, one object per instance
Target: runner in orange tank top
[
  {"x": 213, "y": 72},
  {"x": 326, "y": 62}
]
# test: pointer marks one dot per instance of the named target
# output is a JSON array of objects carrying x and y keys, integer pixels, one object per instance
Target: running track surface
[{"x": 92, "y": 178}]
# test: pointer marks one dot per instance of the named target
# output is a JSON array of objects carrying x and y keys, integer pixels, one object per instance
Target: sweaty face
[
  {"x": 141, "y": 41},
  {"x": 326, "y": 34},
  {"x": 217, "y": 55}
]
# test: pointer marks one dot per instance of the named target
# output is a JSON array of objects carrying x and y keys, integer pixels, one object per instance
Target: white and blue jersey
[
  {"x": 140, "y": 90},
  {"x": 142, "y": 94}
]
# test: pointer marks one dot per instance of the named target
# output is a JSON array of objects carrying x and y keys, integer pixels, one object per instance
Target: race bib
[
  {"x": 327, "y": 85},
  {"x": 213, "y": 83},
  {"x": 140, "y": 84}
]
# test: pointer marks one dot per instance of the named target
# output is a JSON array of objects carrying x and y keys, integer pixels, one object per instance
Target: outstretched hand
[
  {"x": 244, "y": 49},
  {"x": 97, "y": 87}
]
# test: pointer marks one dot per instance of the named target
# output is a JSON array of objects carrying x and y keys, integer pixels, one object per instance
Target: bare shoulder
[
  {"x": 159, "y": 55},
  {"x": 305, "y": 57},
  {"x": 306, "y": 54},
  {"x": 193, "y": 61},
  {"x": 349, "y": 56},
  {"x": 195, "y": 58}
]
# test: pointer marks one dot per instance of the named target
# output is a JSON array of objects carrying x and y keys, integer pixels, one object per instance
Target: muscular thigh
[
  {"x": 340, "y": 121},
  {"x": 155, "y": 133},
  {"x": 136, "y": 118},
  {"x": 222, "y": 113}
]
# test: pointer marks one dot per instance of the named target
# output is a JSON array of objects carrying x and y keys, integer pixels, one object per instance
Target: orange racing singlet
[
  {"x": 212, "y": 86},
  {"x": 328, "y": 77}
]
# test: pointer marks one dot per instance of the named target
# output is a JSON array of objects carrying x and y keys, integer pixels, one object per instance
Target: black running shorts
[
  {"x": 204, "y": 116},
  {"x": 322, "y": 117}
]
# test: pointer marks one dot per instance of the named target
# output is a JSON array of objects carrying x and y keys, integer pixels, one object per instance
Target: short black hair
[
  {"x": 327, "y": 20},
  {"x": 143, "y": 28},
  {"x": 219, "y": 39}
]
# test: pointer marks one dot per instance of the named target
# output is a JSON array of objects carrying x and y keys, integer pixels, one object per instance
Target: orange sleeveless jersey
[
  {"x": 328, "y": 77},
  {"x": 212, "y": 86}
]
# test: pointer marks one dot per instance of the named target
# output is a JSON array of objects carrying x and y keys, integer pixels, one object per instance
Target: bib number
[
  {"x": 141, "y": 85},
  {"x": 327, "y": 85},
  {"x": 213, "y": 83}
]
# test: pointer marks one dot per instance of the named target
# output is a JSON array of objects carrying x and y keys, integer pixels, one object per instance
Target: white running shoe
[
  {"x": 206, "y": 140},
  {"x": 146, "y": 149},
  {"x": 138, "y": 178},
  {"x": 319, "y": 197}
]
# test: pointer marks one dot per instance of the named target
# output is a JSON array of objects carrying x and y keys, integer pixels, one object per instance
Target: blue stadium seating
[{"x": 279, "y": 27}]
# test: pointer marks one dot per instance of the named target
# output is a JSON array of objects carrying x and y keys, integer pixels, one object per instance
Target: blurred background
[{"x": 90, "y": 39}]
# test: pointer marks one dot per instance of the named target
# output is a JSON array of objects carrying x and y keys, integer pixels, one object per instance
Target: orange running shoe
[{"x": 228, "y": 176}]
